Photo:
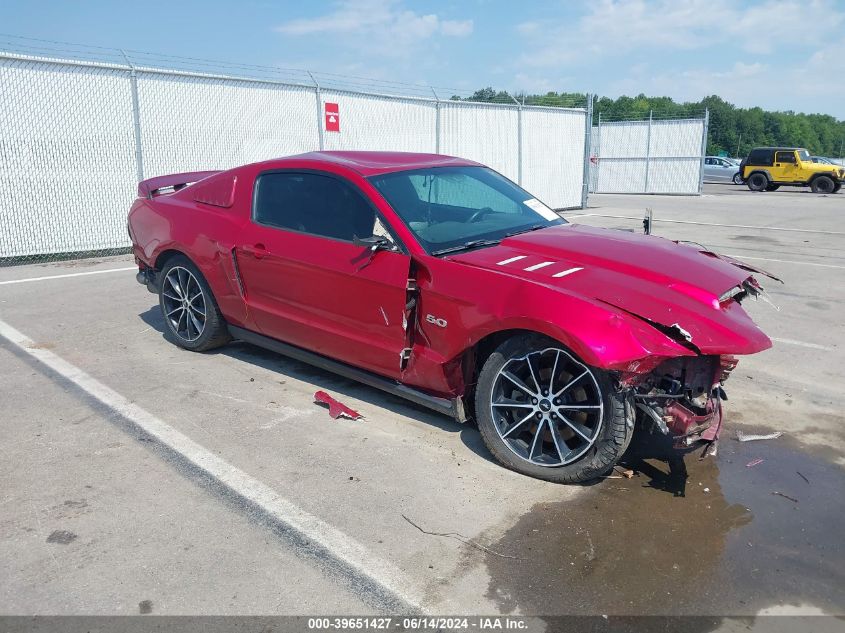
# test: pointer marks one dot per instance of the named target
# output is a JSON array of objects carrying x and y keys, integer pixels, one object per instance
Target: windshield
[
  {"x": 450, "y": 209},
  {"x": 803, "y": 154}
]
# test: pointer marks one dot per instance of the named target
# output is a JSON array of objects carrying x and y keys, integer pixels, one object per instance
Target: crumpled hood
[{"x": 650, "y": 277}]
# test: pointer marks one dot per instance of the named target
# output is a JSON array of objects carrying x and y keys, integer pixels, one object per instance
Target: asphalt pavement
[{"x": 143, "y": 479}]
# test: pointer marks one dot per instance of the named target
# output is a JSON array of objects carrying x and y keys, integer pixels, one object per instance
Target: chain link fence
[
  {"x": 653, "y": 155},
  {"x": 80, "y": 126},
  {"x": 76, "y": 136}
]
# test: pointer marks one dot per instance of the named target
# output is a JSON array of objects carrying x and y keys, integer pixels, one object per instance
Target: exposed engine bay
[{"x": 682, "y": 398}]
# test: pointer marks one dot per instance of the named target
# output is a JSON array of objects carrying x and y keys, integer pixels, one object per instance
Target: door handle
[{"x": 258, "y": 251}]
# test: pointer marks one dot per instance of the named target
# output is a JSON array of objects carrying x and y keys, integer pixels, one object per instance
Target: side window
[
  {"x": 460, "y": 191},
  {"x": 760, "y": 157},
  {"x": 785, "y": 157},
  {"x": 313, "y": 203}
]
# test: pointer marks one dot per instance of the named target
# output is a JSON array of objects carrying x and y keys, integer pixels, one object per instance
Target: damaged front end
[{"x": 681, "y": 398}]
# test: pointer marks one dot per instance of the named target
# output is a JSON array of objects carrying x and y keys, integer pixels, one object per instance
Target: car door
[
  {"x": 727, "y": 170},
  {"x": 307, "y": 284},
  {"x": 710, "y": 169},
  {"x": 786, "y": 166},
  {"x": 783, "y": 168}
]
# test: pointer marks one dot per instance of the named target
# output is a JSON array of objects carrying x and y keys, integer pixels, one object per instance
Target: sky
[{"x": 777, "y": 54}]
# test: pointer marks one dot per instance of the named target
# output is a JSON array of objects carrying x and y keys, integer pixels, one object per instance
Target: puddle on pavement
[{"x": 660, "y": 544}]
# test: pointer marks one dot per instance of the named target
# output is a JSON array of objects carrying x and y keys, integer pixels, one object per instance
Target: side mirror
[{"x": 374, "y": 242}]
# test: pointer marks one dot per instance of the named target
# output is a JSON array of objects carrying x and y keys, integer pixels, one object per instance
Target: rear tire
[
  {"x": 757, "y": 181},
  {"x": 192, "y": 319},
  {"x": 823, "y": 184},
  {"x": 772, "y": 187},
  {"x": 571, "y": 438}
]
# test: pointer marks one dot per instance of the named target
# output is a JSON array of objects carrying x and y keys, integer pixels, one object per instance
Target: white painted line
[
  {"x": 504, "y": 262},
  {"x": 90, "y": 272},
  {"x": 539, "y": 266},
  {"x": 567, "y": 272},
  {"x": 790, "y": 341},
  {"x": 734, "y": 226},
  {"x": 337, "y": 543},
  {"x": 785, "y": 261}
]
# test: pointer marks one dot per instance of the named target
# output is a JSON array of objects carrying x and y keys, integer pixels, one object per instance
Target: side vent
[{"x": 217, "y": 191}]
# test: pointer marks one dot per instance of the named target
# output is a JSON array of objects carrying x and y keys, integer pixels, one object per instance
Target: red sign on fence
[{"x": 332, "y": 118}]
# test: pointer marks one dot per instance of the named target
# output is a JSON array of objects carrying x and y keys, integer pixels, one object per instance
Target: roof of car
[{"x": 374, "y": 163}]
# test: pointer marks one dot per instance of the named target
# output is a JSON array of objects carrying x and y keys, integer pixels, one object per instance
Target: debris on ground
[
  {"x": 336, "y": 409},
  {"x": 803, "y": 477},
  {"x": 749, "y": 437},
  {"x": 710, "y": 450},
  {"x": 462, "y": 539},
  {"x": 625, "y": 472},
  {"x": 753, "y": 463},
  {"x": 780, "y": 494}
]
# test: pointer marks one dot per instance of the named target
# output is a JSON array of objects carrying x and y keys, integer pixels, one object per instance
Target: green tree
[{"x": 731, "y": 129}]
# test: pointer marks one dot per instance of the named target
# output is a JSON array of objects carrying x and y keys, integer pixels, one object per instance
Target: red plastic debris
[{"x": 336, "y": 409}]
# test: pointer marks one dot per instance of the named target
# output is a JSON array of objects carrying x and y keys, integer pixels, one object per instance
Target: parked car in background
[
  {"x": 721, "y": 169},
  {"x": 823, "y": 160},
  {"x": 769, "y": 168},
  {"x": 439, "y": 280}
]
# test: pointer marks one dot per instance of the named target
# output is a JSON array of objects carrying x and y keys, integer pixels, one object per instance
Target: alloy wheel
[
  {"x": 547, "y": 407},
  {"x": 184, "y": 303}
]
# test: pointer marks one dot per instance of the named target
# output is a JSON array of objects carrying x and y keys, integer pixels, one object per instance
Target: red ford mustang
[{"x": 437, "y": 279}]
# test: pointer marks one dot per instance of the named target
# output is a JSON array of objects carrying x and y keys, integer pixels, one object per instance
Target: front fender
[{"x": 600, "y": 334}]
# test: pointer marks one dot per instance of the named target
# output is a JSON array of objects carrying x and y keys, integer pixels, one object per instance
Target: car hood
[
  {"x": 675, "y": 286},
  {"x": 823, "y": 168}
]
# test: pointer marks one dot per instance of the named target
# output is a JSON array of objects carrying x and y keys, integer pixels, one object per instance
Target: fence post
[
  {"x": 588, "y": 139},
  {"x": 319, "y": 96},
  {"x": 648, "y": 150},
  {"x": 703, "y": 150},
  {"x": 436, "y": 121},
  {"x": 518, "y": 140},
  {"x": 597, "y": 147},
  {"x": 136, "y": 116}
]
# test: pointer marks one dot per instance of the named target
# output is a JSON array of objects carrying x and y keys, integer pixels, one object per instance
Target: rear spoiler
[{"x": 153, "y": 186}]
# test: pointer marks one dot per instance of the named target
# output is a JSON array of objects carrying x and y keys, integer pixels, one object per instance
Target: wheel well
[
  {"x": 760, "y": 171},
  {"x": 164, "y": 256},
  {"x": 817, "y": 176},
  {"x": 473, "y": 358}
]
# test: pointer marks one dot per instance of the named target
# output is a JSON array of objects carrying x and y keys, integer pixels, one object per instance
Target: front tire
[
  {"x": 191, "y": 316},
  {"x": 757, "y": 182},
  {"x": 823, "y": 184},
  {"x": 737, "y": 179},
  {"x": 544, "y": 413}
]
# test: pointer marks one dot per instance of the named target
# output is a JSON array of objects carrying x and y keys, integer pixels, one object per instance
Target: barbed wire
[{"x": 10, "y": 43}]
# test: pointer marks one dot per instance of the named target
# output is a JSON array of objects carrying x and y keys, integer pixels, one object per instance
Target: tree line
[{"x": 732, "y": 130}]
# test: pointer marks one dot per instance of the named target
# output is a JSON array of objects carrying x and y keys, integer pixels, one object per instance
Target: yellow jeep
[{"x": 767, "y": 168}]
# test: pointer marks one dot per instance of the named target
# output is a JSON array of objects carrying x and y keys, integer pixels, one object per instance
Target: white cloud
[
  {"x": 801, "y": 87},
  {"x": 378, "y": 22},
  {"x": 784, "y": 54},
  {"x": 611, "y": 27},
  {"x": 456, "y": 28}
]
